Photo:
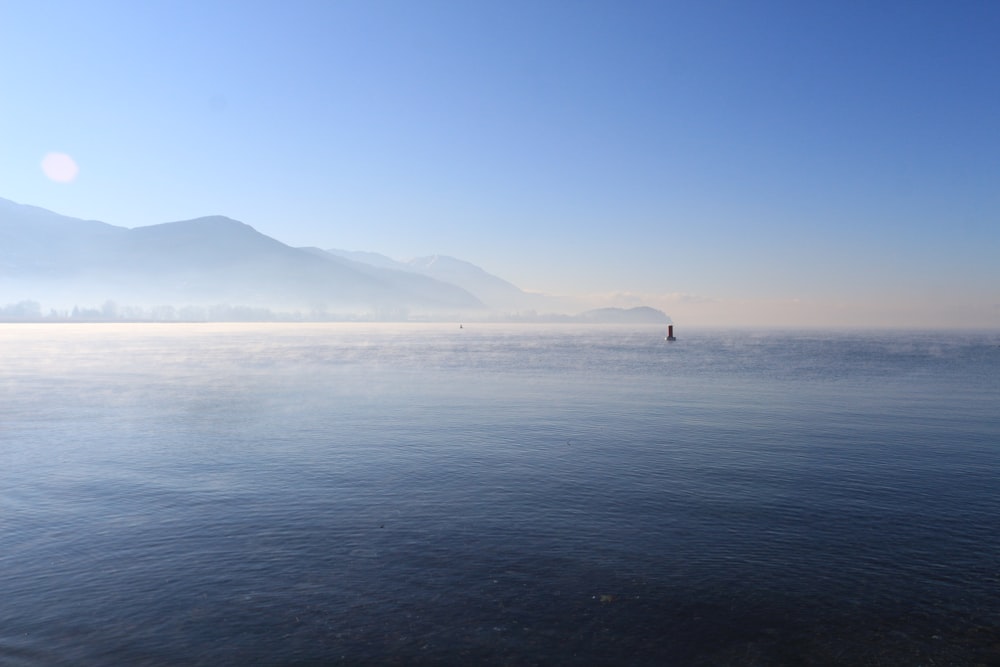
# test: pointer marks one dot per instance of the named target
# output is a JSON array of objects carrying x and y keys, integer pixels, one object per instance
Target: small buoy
[{"x": 670, "y": 333}]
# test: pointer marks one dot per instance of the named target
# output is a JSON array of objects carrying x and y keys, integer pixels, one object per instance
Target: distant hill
[
  {"x": 46, "y": 256},
  {"x": 496, "y": 292},
  {"x": 36, "y": 243},
  {"x": 57, "y": 262}
]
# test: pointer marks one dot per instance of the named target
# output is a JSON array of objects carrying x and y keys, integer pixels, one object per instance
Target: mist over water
[{"x": 423, "y": 494}]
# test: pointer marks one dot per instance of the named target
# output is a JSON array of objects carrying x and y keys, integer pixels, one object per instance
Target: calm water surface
[{"x": 423, "y": 494}]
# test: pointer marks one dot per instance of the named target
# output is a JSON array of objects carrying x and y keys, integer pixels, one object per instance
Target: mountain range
[{"x": 65, "y": 262}]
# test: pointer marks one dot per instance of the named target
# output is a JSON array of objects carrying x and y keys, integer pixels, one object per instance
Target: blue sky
[{"x": 798, "y": 163}]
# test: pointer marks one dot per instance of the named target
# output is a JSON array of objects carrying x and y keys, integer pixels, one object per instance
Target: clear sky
[{"x": 793, "y": 162}]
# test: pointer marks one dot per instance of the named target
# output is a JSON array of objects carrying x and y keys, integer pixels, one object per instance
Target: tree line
[{"x": 110, "y": 311}]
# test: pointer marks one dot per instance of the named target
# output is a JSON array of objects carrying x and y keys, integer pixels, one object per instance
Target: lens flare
[{"x": 60, "y": 167}]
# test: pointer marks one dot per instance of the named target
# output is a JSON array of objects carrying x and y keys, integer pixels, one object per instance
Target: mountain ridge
[{"x": 211, "y": 260}]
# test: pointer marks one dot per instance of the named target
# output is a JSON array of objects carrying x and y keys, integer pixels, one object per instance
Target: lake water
[{"x": 358, "y": 494}]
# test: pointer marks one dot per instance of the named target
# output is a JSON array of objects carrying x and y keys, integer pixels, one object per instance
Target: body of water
[{"x": 281, "y": 494}]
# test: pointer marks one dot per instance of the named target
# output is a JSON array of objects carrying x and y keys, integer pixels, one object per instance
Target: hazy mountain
[
  {"x": 390, "y": 272},
  {"x": 490, "y": 289},
  {"x": 36, "y": 243},
  {"x": 495, "y": 292},
  {"x": 203, "y": 261},
  {"x": 61, "y": 262},
  {"x": 370, "y": 259}
]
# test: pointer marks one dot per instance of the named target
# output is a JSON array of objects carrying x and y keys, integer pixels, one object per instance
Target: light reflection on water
[{"x": 224, "y": 494}]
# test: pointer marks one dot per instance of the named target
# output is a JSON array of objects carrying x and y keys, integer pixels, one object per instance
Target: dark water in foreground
[{"x": 419, "y": 494}]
